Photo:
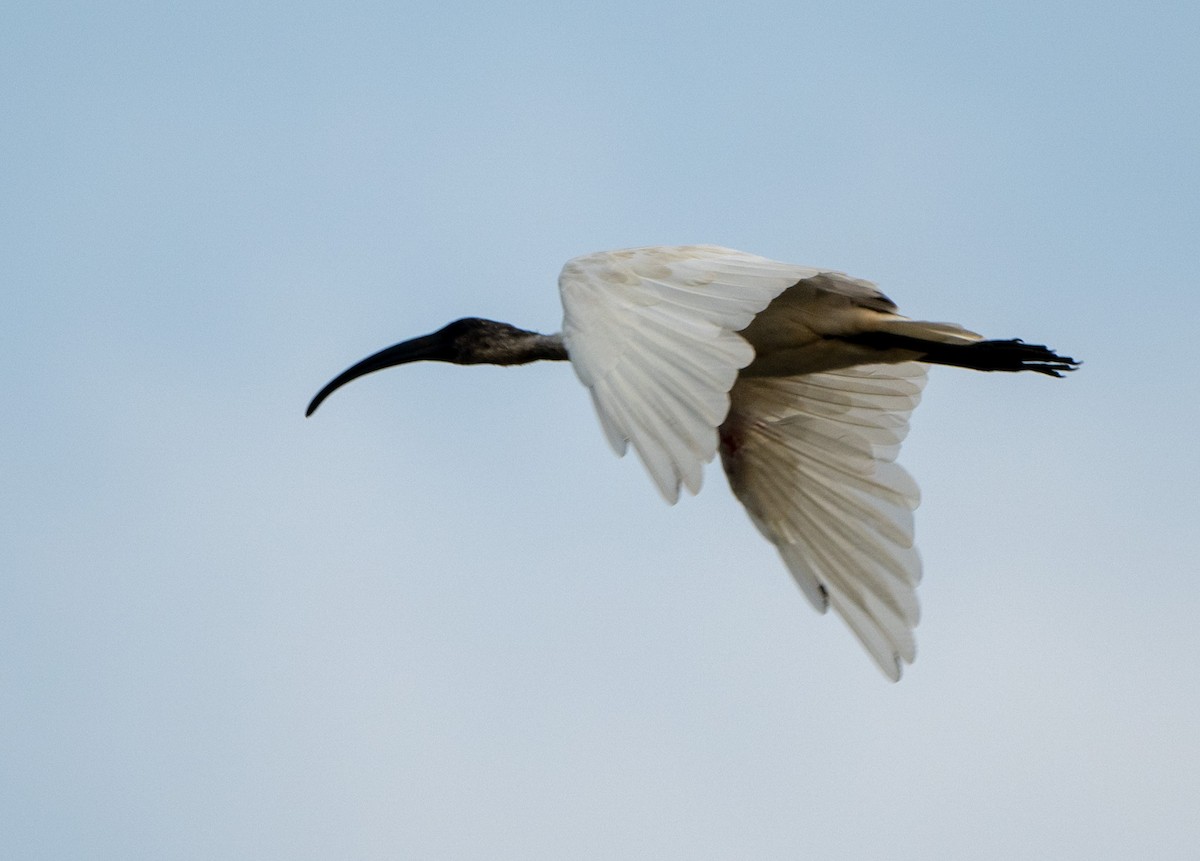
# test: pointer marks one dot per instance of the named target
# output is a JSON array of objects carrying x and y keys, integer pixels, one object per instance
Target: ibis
[{"x": 802, "y": 379}]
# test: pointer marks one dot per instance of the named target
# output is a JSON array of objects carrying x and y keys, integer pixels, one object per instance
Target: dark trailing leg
[{"x": 1012, "y": 355}]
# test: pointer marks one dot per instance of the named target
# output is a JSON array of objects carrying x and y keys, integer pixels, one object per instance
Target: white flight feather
[{"x": 656, "y": 334}]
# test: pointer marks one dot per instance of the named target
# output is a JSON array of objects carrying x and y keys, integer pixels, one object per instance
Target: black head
[
  {"x": 475, "y": 341},
  {"x": 469, "y": 341}
]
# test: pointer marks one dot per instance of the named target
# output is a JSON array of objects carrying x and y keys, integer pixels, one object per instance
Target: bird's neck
[
  {"x": 544, "y": 348},
  {"x": 520, "y": 349}
]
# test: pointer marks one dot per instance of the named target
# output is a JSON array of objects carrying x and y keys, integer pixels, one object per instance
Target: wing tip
[{"x": 895, "y": 670}]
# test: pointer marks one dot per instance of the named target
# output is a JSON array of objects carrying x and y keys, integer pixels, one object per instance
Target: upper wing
[
  {"x": 652, "y": 333},
  {"x": 811, "y": 458}
]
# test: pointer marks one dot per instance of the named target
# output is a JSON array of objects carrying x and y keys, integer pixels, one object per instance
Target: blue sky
[{"x": 440, "y": 619}]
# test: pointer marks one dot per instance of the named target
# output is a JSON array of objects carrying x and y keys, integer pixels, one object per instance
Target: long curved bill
[{"x": 427, "y": 347}]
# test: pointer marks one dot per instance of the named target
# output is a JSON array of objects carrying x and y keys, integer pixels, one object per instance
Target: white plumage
[{"x": 654, "y": 334}]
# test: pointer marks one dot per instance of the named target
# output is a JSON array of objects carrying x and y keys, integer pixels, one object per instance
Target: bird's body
[{"x": 803, "y": 379}]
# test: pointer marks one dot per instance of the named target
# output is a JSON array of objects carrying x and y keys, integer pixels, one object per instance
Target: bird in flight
[{"x": 803, "y": 379}]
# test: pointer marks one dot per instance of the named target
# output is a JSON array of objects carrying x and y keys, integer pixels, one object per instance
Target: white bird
[{"x": 802, "y": 378}]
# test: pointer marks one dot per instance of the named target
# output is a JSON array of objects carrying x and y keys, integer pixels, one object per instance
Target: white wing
[
  {"x": 652, "y": 333},
  {"x": 811, "y": 458}
]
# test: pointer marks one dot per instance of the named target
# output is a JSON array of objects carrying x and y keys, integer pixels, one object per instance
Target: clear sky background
[{"x": 440, "y": 619}]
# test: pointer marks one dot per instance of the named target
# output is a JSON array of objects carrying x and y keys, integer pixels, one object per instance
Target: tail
[{"x": 948, "y": 344}]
